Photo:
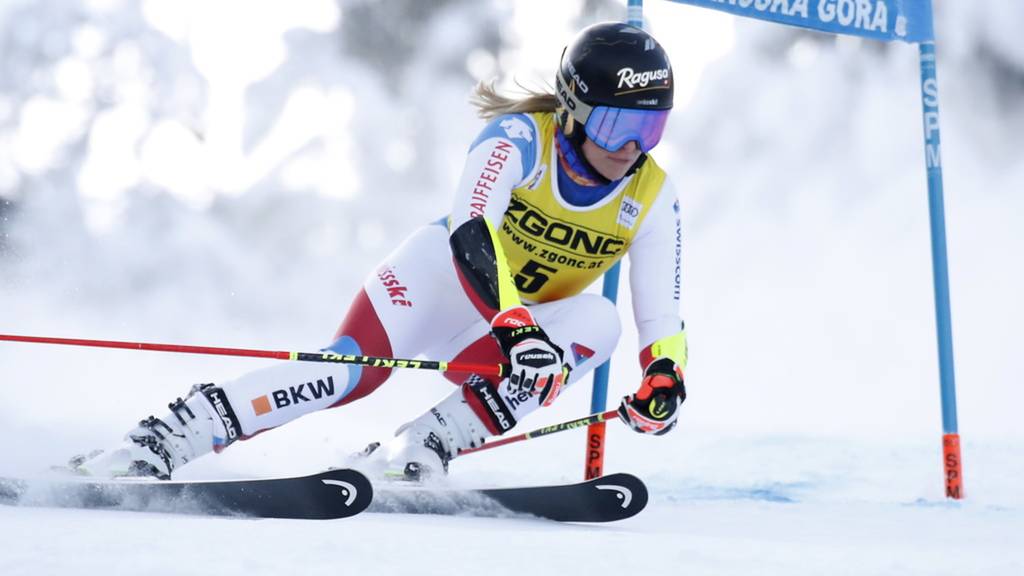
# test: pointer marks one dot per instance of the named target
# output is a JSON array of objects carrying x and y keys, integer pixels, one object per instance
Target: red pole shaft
[
  {"x": 378, "y": 362},
  {"x": 595, "y": 451},
  {"x": 952, "y": 464},
  {"x": 149, "y": 346}
]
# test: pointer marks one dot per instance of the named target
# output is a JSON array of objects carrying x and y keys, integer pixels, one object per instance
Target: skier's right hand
[{"x": 537, "y": 362}]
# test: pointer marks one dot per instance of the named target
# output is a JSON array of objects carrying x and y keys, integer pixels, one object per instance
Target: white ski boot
[
  {"x": 157, "y": 446},
  {"x": 422, "y": 448}
]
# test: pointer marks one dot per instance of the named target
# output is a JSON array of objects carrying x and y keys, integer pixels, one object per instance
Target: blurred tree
[{"x": 393, "y": 36}]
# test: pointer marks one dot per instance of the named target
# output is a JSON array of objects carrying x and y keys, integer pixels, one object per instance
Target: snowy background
[{"x": 226, "y": 173}]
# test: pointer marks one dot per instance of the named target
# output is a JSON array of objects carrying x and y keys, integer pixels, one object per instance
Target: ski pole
[
  {"x": 499, "y": 370},
  {"x": 562, "y": 427}
]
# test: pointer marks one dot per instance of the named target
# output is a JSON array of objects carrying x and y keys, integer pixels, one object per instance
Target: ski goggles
[{"x": 612, "y": 128}]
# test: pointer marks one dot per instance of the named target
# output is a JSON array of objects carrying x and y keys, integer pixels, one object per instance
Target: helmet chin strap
[
  {"x": 570, "y": 153},
  {"x": 636, "y": 165}
]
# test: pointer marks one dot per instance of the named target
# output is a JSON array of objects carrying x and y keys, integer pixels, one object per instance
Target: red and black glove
[
  {"x": 537, "y": 362},
  {"x": 655, "y": 406}
]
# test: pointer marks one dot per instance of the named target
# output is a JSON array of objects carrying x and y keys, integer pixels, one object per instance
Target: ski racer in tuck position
[{"x": 555, "y": 190}]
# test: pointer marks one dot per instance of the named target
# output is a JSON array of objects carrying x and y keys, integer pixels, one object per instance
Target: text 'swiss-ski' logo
[{"x": 396, "y": 290}]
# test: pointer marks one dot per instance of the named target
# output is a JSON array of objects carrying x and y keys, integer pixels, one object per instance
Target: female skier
[{"x": 555, "y": 190}]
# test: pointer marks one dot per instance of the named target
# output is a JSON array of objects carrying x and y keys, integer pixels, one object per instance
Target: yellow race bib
[{"x": 554, "y": 249}]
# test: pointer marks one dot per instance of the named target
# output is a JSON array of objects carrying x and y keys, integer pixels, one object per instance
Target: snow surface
[{"x": 810, "y": 443}]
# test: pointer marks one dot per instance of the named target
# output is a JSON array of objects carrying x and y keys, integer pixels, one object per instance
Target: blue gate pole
[
  {"x": 594, "y": 463},
  {"x": 599, "y": 397},
  {"x": 635, "y": 13},
  {"x": 940, "y": 268}
]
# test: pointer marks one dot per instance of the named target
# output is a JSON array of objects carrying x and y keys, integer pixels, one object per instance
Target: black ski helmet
[{"x": 612, "y": 65}]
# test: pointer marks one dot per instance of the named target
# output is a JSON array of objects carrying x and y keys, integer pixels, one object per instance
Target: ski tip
[
  {"x": 341, "y": 493},
  {"x": 621, "y": 495}
]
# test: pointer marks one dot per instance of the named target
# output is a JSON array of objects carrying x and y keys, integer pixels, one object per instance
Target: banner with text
[{"x": 903, "y": 20}]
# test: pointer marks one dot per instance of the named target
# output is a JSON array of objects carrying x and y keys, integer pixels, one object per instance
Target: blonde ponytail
[{"x": 490, "y": 104}]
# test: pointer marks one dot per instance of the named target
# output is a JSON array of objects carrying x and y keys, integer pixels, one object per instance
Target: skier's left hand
[{"x": 654, "y": 408}]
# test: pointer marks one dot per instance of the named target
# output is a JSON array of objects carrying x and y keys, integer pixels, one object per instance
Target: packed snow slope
[{"x": 158, "y": 184}]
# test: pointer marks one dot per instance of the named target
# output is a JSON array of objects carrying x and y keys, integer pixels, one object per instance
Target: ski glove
[
  {"x": 655, "y": 406},
  {"x": 537, "y": 363}
]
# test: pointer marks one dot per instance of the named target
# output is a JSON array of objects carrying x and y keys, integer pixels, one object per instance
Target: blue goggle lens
[{"x": 611, "y": 128}]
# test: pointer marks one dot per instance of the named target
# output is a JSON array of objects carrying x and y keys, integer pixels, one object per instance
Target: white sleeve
[
  {"x": 654, "y": 274},
  {"x": 500, "y": 159}
]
